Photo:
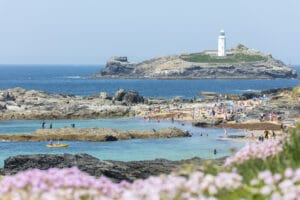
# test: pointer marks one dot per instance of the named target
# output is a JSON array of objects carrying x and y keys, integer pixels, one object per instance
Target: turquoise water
[
  {"x": 26, "y": 126},
  {"x": 127, "y": 150}
]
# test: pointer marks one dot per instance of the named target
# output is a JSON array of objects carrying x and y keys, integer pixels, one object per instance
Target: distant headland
[{"x": 236, "y": 63}]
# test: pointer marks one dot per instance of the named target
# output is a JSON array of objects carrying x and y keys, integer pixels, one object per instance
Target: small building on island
[
  {"x": 221, "y": 51},
  {"x": 222, "y": 44}
]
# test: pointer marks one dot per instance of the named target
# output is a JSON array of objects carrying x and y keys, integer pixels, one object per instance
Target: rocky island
[{"x": 239, "y": 63}]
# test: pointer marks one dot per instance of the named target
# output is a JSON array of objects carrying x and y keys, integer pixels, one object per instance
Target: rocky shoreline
[
  {"x": 19, "y": 103},
  {"x": 93, "y": 134},
  {"x": 115, "y": 170},
  {"x": 282, "y": 103}
]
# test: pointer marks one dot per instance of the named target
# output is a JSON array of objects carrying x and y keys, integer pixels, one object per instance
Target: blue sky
[{"x": 91, "y": 31}]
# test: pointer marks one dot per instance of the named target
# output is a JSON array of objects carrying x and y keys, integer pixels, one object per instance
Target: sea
[{"x": 75, "y": 80}]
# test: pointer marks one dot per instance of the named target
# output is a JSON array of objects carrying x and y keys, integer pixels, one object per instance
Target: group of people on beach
[
  {"x": 272, "y": 117},
  {"x": 266, "y": 135},
  {"x": 216, "y": 108}
]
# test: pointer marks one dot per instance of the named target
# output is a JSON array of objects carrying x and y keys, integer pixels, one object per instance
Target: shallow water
[
  {"x": 127, "y": 150},
  {"x": 23, "y": 126}
]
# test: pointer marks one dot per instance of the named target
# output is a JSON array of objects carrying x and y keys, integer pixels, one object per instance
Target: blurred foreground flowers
[
  {"x": 73, "y": 184},
  {"x": 261, "y": 150}
]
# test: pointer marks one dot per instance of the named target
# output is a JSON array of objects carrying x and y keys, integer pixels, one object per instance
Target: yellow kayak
[{"x": 57, "y": 145}]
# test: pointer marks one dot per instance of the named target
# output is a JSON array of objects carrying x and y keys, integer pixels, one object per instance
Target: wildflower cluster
[
  {"x": 54, "y": 183},
  {"x": 73, "y": 184},
  {"x": 259, "y": 150},
  {"x": 197, "y": 186},
  {"x": 277, "y": 186}
]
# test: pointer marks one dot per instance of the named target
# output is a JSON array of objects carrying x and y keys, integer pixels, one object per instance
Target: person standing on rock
[{"x": 43, "y": 124}]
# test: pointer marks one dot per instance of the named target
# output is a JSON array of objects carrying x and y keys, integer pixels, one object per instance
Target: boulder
[
  {"x": 115, "y": 170},
  {"x": 3, "y": 106},
  {"x": 250, "y": 95},
  {"x": 119, "y": 94},
  {"x": 132, "y": 97},
  {"x": 7, "y": 96}
]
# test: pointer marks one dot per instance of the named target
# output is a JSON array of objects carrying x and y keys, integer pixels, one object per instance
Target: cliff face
[{"x": 241, "y": 63}]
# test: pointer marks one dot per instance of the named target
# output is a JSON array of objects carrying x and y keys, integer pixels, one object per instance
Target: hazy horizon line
[{"x": 87, "y": 65}]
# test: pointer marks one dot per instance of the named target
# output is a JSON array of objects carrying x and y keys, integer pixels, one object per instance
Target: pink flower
[{"x": 288, "y": 173}]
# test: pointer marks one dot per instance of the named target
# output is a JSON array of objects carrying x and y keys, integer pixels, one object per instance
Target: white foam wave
[
  {"x": 73, "y": 77},
  {"x": 248, "y": 90}
]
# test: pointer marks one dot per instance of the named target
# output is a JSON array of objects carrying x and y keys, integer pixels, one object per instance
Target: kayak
[{"x": 57, "y": 145}]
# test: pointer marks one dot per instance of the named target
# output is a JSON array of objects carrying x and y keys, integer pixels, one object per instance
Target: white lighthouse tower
[{"x": 222, "y": 44}]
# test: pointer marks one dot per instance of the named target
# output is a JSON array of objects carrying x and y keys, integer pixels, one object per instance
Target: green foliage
[
  {"x": 289, "y": 157},
  {"x": 236, "y": 58},
  {"x": 236, "y": 194},
  {"x": 208, "y": 166},
  {"x": 86, "y": 197}
]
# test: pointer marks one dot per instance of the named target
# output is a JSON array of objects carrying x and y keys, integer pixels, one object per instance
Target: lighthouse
[{"x": 222, "y": 44}]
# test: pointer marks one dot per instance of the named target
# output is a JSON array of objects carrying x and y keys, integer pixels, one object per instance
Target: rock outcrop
[
  {"x": 94, "y": 134},
  {"x": 130, "y": 97},
  {"x": 18, "y": 103},
  {"x": 116, "y": 170},
  {"x": 207, "y": 123},
  {"x": 118, "y": 65},
  {"x": 243, "y": 63},
  {"x": 274, "y": 91},
  {"x": 283, "y": 105}
]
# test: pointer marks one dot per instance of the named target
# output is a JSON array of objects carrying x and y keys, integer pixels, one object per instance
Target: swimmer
[
  {"x": 215, "y": 151},
  {"x": 225, "y": 132}
]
